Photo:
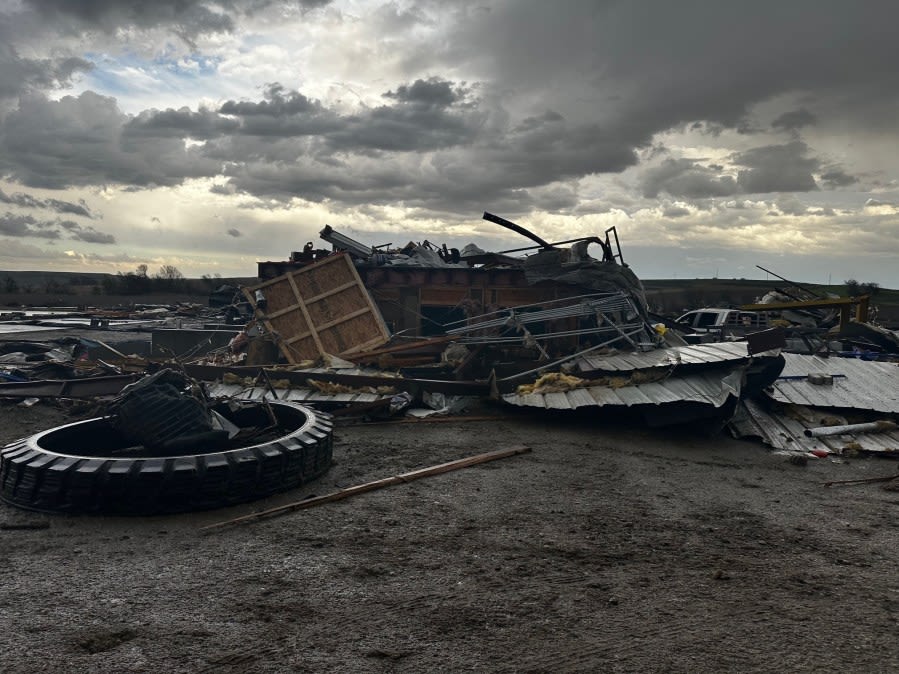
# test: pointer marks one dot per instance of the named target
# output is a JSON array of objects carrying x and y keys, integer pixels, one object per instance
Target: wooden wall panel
[{"x": 318, "y": 309}]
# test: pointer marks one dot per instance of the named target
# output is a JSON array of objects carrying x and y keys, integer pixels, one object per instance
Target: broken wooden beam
[{"x": 372, "y": 486}]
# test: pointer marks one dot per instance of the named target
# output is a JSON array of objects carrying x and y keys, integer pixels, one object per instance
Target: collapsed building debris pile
[
  {"x": 211, "y": 416},
  {"x": 826, "y": 406},
  {"x": 813, "y": 323}
]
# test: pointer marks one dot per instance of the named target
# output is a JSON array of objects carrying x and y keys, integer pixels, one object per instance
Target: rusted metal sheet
[{"x": 322, "y": 308}]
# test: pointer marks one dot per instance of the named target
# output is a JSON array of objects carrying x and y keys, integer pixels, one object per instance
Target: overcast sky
[{"x": 715, "y": 135}]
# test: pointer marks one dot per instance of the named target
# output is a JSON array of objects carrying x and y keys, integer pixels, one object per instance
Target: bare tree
[{"x": 169, "y": 273}]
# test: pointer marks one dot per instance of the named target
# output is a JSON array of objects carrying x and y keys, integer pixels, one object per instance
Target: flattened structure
[
  {"x": 857, "y": 384},
  {"x": 710, "y": 388},
  {"x": 786, "y": 432},
  {"x": 667, "y": 357}
]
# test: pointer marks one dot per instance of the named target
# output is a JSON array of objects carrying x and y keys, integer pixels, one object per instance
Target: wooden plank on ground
[{"x": 371, "y": 486}]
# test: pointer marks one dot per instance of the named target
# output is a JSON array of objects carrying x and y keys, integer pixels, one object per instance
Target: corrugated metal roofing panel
[
  {"x": 786, "y": 432},
  {"x": 634, "y": 395},
  {"x": 298, "y": 395},
  {"x": 556, "y": 401},
  {"x": 675, "y": 355},
  {"x": 605, "y": 396},
  {"x": 712, "y": 388},
  {"x": 858, "y": 384},
  {"x": 532, "y": 400},
  {"x": 580, "y": 398},
  {"x": 660, "y": 393}
]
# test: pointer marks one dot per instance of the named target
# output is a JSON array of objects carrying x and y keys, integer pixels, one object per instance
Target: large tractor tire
[{"x": 80, "y": 468}]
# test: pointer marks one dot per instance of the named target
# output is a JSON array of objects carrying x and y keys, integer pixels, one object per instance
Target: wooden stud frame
[{"x": 322, "y": 308}]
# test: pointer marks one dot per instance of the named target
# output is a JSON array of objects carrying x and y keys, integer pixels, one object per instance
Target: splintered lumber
[
  {"x": 372, "y": 486},
  {"x": 866, "y": 480},
  {"x": 433, "y": 344}
]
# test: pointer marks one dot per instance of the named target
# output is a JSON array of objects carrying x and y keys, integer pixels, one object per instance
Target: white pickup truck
[{"x": 722, "y": 324}]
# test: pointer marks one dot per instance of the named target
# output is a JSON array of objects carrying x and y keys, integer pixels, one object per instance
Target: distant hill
[
  {"x": 674, "y": 296},
  {"x": 48, "y": 288},
  {"x": 665, "y": 296},
  {"x": 38, "y": 281}
]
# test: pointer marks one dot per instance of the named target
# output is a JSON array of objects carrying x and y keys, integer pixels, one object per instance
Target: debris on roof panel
[
  {"x": 708, "y": 394},
  {"x": 787, "y": 430},
  {"x": 846, "y": 383}
]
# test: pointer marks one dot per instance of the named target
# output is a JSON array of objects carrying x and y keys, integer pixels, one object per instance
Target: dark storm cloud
[
  {"x": 427, "y": 115},
  {"x": 791, "y": 206},
  {"x": 467, "y": 168},
  {"x": 836, "y": 178},
  {"x": 777, "y": 168},
  {"x": 675, "y": 212},
  {"x": 181, "y": 123},
  {"x": 651, "y": 65},
  {"x": 558, "y": 95},
  {"x": 555, "y": 200},
  {"x": 770, "y": 168},
  {"x": 432, "y": 92},
  {"x": 795, "y": 119},
  {"x": 29, "y": 201},
  {"x": 281, "y": 114},
  {"x": 686, "y": 178},
  {"x": 186, "y": 19},
  {"x": 28, "y": 226},
  {"x": 91, "y": 235},
  {"x": 193, "y": 18},
  {"x": 19, "y": 75},
  {"x": 84, "y": 140}
]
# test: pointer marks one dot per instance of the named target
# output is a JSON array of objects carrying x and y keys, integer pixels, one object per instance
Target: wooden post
[{"x": 371, "y": 486}]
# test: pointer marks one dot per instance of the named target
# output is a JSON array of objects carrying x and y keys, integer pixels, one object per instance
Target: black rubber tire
[{"x": 53, "y": 480}]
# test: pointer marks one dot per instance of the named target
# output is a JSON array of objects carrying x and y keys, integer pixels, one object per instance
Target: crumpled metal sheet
[
  {"x": 667, "y": 357},
  {"x": 785, "y": 431},
  {"x": 857, "y": 384},
  {"x": 712, "y": 388}
]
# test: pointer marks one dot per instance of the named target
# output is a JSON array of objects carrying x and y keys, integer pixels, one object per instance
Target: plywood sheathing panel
[{"x": 322, "y": 308}]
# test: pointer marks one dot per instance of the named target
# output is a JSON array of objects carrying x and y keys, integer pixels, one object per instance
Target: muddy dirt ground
[{"x": 607, "y": 548}]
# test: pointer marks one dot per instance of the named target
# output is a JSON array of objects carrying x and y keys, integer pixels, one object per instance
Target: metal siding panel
[
  {"x": 783, "y": 432},
  {"x": 631, "y": 395},
  {"x": 580, "y": 398},
  {"x": 604, "y": 396},
  {"x": 556, "y": 401},
  {"x": 684, "y": 355},
  {"x": 864, "y": 385},
  {"x": 659, "y": 393}
]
